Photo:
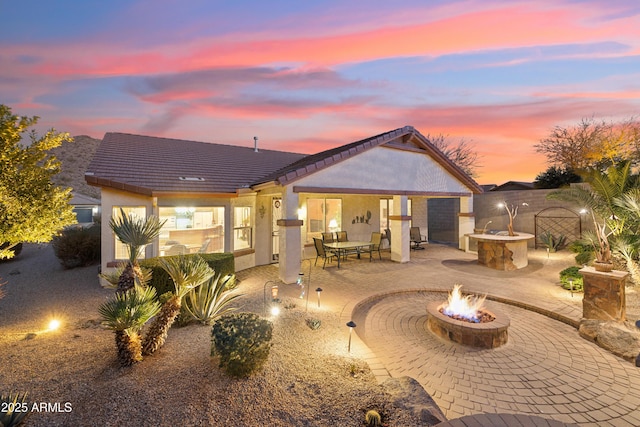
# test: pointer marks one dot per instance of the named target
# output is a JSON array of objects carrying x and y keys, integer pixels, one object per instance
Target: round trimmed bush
[{"x": 242, "y": 342}]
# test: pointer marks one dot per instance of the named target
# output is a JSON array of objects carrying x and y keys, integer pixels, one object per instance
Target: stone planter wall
[{"x": 604, "y": 297}]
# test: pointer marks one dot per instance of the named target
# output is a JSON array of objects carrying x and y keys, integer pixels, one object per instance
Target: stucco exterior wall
[{"x": 386, "y": 169}]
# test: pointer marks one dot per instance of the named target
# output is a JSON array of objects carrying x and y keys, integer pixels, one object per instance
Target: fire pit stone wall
[{"x": 480, "y": 335}]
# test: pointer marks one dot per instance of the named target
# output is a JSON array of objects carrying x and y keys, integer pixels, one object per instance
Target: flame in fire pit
[{"x": 467, "y": 307}]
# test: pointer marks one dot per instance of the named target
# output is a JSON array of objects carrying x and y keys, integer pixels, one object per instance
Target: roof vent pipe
[{"x": 255, "y": 144}]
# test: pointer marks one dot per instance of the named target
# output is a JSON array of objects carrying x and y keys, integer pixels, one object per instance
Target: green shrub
[
  {"x": 313, "y": 323},
  {"x": 585, "y": 253},
  {"x": 571, "y": 274},
  {"x": 221, "y": 263},
  {"x": 242, "y": 342},
  {"x": 78, "y": 247},
  {"x": 551, "y": 242}
]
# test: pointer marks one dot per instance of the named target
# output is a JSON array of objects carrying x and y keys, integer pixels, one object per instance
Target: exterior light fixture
[
  {"x": 571, "y": 287},
  {"x": 318, "y": 290},
  {"x": 275, "y": 310},
  {"x": 300, "y": 283},
  {"x": 53, "y": 325},
  {"x": 351, "y": 324}
]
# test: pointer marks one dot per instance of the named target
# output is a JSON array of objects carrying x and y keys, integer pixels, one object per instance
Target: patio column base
[{"x": 290, "y": 249}]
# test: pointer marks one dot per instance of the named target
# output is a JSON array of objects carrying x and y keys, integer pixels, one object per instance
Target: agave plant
[
  {"x": 135, "y": 233},
  {"x": 211, "y": 299},
  {"x": 126, "y": 314},
  {"x": 187, "y": 273},
  {"x": 15, "y": 409}
]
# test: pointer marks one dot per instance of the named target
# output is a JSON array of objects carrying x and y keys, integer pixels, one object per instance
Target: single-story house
[{"x": 266, "y": 206}]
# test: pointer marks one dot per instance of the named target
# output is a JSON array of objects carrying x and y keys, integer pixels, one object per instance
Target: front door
[{"x": 276, "y": 214}]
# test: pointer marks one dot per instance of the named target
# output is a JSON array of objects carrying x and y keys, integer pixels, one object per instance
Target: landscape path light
[
  {"x": 318, "y": 290},
  {"x": 274, "y": 298},
  {"x": 301, "y": 277},
  {"x": 351, "y": 324}
]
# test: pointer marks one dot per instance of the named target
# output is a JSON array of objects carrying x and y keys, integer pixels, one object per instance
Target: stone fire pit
[{"x": 487, "y": 335}]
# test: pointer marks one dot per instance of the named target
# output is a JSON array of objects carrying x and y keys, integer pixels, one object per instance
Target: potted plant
[{"x": 600, "y": 241}]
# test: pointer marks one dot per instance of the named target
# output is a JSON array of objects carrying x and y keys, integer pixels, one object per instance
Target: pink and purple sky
[{"x": 305, "y": 76}]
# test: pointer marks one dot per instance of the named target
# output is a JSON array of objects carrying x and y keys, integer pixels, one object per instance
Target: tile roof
[
  {"x": 315, "y": 162},
  {"x": 150, "y": 165}
]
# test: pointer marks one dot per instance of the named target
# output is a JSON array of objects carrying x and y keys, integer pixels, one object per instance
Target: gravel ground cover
[{"x": 73, "y": 378}]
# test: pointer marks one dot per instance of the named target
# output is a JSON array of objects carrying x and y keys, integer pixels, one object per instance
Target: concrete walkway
[{"x": 545, "y": 370}]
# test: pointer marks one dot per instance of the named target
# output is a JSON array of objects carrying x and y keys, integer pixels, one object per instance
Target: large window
[
  {"x": 323, "y": 215},
  {"x": 242, "y": 235},
  {"x": 191, "y": 230},
  {"x": 386, "y": 210},
  {"x": 122, "y": 251}
]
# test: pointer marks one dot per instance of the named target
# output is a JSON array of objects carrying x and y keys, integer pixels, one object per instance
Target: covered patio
[{"x": 383, "y": 182}]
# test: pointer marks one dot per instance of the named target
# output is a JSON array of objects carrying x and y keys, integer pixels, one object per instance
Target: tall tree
[
  {"x": 592, "y": 144},
  {"x": 556, "y": 177},
  {"x": 462, "y": 153},
  {"x": 32, "y": 208}
]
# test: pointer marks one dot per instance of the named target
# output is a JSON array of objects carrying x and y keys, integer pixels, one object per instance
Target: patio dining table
[{"x": 340, "y": 248}]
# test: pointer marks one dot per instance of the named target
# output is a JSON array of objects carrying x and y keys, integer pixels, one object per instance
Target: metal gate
[{"x": 557, "y": 221}]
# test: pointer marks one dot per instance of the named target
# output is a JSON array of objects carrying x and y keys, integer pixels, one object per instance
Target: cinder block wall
[
  {"x": 486, "y": 209},
  {"x": 443, "y": 213}
]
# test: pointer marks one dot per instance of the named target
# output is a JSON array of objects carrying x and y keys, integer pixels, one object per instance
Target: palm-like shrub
[
  {"x": 212, "y": 299},
  {"x": 113, "y": 276},
  {"x": 187, "y": 272},
  {"x": 126, "y": 314},
  {"x": 135, "y": 233}
]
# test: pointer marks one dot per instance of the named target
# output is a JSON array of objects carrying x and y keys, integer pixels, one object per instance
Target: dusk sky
[{"x": 305, "y": 76}]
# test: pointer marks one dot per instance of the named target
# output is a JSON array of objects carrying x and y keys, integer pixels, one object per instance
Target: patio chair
[
  {"x": 178, "y": 250},
  {"x": 342, "y": 236},
  {"x": 327, "y": 237},
  {"x": 321, "y": 252},
  {"x": 205, "y": 245},
  {"x": 416, "y": 238},
  {"x": 376, "y": 242}
]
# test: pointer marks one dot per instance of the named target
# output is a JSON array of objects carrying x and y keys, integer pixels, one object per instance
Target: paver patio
[{"x": 545, "y": 369}]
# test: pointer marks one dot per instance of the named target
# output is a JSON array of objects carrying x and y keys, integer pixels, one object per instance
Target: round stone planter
[{"x": 603, "y": 266}]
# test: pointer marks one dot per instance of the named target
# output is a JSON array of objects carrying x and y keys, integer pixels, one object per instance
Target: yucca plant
[
  {"x": 212, "y": 299},
  {"x": 113, "y": 276},
  {"x": 187, "y": 272},
  {"x": 135, "y": 233},
  {"x": 14, "y": 410},
  {"x": 126, "y": 314}
]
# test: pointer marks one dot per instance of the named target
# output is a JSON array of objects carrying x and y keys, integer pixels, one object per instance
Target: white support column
[
  {"x": 466, "y": 221},
  {"x": 290, "y": 237},
  {"x": 399, "y": 225}
]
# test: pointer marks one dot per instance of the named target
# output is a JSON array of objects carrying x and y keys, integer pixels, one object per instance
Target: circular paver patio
[{"x": 545, "y": 369}]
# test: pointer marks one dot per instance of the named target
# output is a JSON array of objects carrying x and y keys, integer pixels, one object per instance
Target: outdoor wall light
[
  {"x": 318, "y": 290},
  {"x": 351, "y": 324}
]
